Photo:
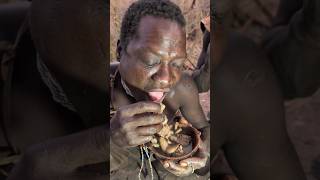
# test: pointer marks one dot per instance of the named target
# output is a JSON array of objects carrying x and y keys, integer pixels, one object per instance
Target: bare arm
[
  {"x": 248, "y": 102},
  {"x": 190, "y": 106},
  {"x": 201, "y": 75},
  {"x": 192, "y": 111},
  {"x": 66, "y": 157}
]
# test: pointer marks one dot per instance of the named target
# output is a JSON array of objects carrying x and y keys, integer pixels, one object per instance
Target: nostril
[{"x": 163, "y": 75}]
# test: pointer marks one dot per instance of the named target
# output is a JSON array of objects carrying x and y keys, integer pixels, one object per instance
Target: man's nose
[{"x": 163, "y": 75}]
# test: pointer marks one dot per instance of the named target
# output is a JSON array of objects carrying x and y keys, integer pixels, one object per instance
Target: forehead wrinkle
[
  {"x": 167, "y": 47},
  {"x": 169, "y": 42}
]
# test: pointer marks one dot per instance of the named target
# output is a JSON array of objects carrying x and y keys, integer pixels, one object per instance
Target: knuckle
[
  {"x": 130, "y": 139},
  {"x": 124, "y": 124},
  {"x": 131, "y": 142},
  {"x": 160, "y": 117},
  {"x": 142, "y": 105},
  {"x": 149, "y": 138}
]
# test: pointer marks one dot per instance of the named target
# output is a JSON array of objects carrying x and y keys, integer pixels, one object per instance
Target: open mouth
[{"x": 157, "y": 95}]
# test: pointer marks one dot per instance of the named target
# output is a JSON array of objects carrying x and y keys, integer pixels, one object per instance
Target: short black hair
[{"x": 158, "y": 8}]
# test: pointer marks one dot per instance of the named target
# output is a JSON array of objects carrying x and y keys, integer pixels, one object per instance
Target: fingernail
[
  {"x": 183, "y": 121},
  {"x": 183, "y": 164},
  {"x": 166, "y": 165}
]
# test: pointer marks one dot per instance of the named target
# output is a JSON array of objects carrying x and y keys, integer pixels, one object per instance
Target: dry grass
[{"x": 193, "y": 10}]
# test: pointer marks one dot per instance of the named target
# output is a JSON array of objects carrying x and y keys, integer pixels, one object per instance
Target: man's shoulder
[{"x": 186, "y": 86}]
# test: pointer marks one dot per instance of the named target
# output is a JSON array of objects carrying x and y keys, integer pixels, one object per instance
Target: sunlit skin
[{"x": 152, "y": 62}]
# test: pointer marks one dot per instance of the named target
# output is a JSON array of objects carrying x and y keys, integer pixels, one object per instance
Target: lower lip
[{"x": 156, "y": 96}]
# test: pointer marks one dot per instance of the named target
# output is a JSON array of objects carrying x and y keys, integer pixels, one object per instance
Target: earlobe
[{"x": 119, "y": 49}]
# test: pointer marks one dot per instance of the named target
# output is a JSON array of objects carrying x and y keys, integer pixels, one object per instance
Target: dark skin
[
  {"x": 155, "y": 57},
  {"x": 293, "y": 48},
  {"x": 82, "y": 134},
  {"x": 201, "y": 75},
  {"x": 254, "y": 136},
  {"x": 85, "y": 150}
]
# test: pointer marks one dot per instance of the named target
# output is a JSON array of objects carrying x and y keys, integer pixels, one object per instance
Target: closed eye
[
  {"x": 152, "y": 62},
  {"x": 177, "y": 63}
]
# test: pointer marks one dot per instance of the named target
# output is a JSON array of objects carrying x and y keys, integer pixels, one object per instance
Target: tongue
[{"x": 155, "y": 96}]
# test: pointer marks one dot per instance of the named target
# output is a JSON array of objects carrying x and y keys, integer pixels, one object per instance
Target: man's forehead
[{"x": 151, "y": 25}]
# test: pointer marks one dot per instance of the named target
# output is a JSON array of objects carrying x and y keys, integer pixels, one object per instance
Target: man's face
[{"x": 152, "y": 62}]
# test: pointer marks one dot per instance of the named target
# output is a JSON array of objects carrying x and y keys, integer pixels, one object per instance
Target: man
[
  {"x": 150, "y": 70},
  {"x": 63, "y": 90}
]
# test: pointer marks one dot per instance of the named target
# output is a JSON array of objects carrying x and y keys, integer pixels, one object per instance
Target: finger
[
  {"x": 195, "y": 162},
  {"x": 146, "y": 120},
  {"x": 165, "y": 164},
  {"x": 148, "y": 130},
  {"x": 179, "y": 170},
  {"x": 139, "y": 108},
  {"x": 176, "y": 169},
  {"x": 139, "y": 140},
  {"x": 202, "y": 151},
  {"x": 172, "y": 167}
]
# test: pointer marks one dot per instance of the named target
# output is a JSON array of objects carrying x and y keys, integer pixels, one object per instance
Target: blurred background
[{"x": 253, "y": 18}]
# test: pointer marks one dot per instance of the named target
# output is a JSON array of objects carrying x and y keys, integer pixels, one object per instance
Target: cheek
[
  {"x": 133, "y": 74},
  {"x": 175, "y": 75}
]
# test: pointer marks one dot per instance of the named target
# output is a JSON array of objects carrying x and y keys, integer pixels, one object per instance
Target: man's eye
[
  {"x": 177, "y": 63},
  {"x": 153, "y": 63}
]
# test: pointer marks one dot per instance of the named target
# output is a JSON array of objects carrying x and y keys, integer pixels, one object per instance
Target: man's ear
[
  {"x": 203, "y": 28},
  {"x": 119, "y": 49}
]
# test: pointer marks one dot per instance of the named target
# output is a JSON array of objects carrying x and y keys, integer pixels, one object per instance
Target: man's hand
[
  {"x": 135, "y": 124},
  {"x": 188, "y": 166}
]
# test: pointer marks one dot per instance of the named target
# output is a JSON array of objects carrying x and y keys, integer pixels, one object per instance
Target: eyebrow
[{"x": 155, "y": 53}]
